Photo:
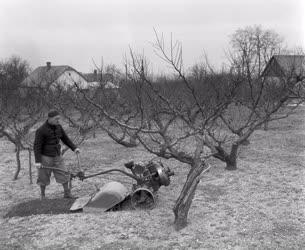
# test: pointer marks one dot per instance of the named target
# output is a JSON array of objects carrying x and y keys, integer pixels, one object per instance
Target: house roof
[
  {"x": 285, "y": 65},
  {"x": 46, "y": 75}
]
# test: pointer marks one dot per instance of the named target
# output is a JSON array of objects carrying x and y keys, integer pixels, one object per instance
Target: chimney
[{"x": 48, "y": 65}]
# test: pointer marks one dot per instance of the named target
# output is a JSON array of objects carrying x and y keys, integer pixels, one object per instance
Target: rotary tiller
[{"x": 149, "y": 178}]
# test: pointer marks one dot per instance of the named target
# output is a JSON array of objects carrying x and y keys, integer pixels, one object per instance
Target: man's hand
[
  {"x": 77, "y": 151},
  {"x": 38, "y": 165}
]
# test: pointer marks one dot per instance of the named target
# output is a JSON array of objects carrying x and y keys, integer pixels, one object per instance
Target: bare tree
[
  {"x": 252, "y": 48},
  {"x": 20, "y": 110},
  {"x": 258, "y": 100},
  {"x": 169, "y": 121},
  {"x": 248, "y": 113},
  {"x": 188, "y": 119},
  {"x": 17, "y": 125}
]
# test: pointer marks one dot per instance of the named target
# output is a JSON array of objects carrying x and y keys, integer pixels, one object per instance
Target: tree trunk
[
  {"x": 245, "y": 142},
  {"x": 18, "y": 163},
  {"x": 231, "y": 164},
  {"x": 231, "y": 160},
  {"x": 94, "y": 132},
  {"x": 266, "y": 127},
  {"x": 133, "y": 140},
  {"x": 30, "y": 166},
  {"x": 186, "y": 196}
]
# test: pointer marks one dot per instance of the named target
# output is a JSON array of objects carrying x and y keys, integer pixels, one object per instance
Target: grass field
[{"x": 259, "y": 206}]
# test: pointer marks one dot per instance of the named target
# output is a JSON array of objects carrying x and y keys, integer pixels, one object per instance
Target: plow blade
[{"x": 107, "y": 197}]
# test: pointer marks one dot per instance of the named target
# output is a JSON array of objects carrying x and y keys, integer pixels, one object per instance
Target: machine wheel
[{"x": 142, "y": 198}]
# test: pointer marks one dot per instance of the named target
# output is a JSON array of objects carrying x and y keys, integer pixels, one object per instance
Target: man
[{"x": 48, "y": 156}]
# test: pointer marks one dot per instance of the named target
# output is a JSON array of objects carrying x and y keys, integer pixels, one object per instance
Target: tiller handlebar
[{"x": 151, "y": 175}]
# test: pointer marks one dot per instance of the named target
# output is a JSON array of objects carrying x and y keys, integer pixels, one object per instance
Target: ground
[{"x": 259, "y": 206}]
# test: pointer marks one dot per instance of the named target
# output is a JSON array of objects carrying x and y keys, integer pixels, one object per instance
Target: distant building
[
  {"x": 291, "y": 67},
  {"x": 50, "y": 76},
  {"x": 65, "y": 76},
  {"x": 96, "y": 79}
]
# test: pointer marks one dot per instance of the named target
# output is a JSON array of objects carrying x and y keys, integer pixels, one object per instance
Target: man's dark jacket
[{"x": 47, "y": 140}]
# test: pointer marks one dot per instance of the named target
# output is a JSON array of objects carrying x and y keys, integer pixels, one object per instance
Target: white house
[{"x": 50, "y": 76}]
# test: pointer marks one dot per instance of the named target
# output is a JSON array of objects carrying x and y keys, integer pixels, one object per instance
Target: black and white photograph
[{"x": 174, "y": 124}]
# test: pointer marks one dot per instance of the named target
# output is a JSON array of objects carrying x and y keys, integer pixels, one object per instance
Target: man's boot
[
  {"x": 42, "y": 192},
  {"x": 67, "y": 191}
]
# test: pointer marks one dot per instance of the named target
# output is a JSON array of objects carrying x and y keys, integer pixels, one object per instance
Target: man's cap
[{"x": 53, "y": 113}]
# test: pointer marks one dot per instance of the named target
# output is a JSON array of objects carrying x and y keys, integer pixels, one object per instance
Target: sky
[{"x": 79, "y": 33}]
